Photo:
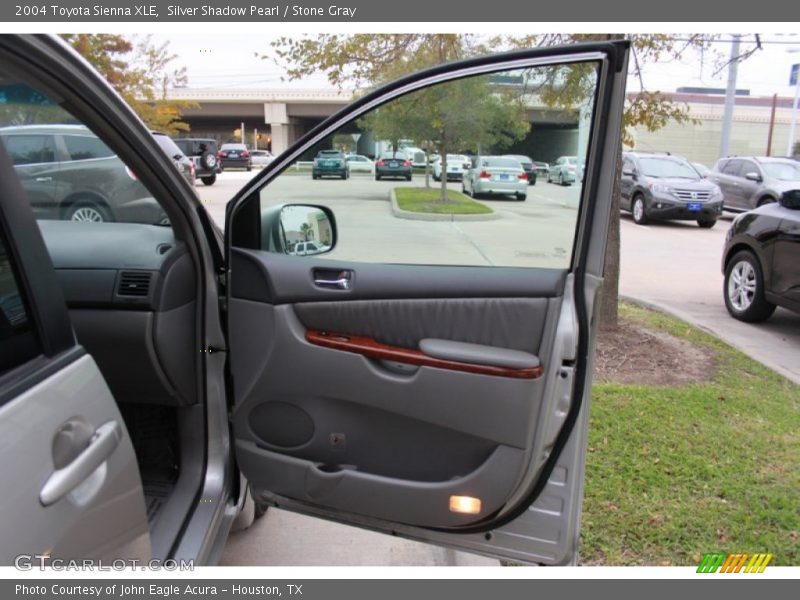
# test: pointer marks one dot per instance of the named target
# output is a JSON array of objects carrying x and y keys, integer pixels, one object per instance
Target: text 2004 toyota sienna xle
[{"x": 406, "y": 388}]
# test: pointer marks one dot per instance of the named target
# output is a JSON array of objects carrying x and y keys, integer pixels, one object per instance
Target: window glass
[
  {"x": 785, "y": 171},
  {"x": 732, "y": 167},
  {"x": 18, "y": 343},
  {"x": 468, "y": 218},
  {"x": 86, "y": 147},
  {"x": 29, "y": 149}
]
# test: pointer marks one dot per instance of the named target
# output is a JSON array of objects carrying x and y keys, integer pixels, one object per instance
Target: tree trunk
[
  {"x": 608, "y": 313},
  {"x": 443, "y": 160}
]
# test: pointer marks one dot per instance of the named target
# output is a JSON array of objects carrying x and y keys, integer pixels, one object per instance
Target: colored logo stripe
[{"x": 734, "y": 563}]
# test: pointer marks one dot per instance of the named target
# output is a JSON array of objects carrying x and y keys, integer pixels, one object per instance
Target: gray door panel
[
  {"x": 102, "y": 517},
  {"x": 336, "y": 413}
]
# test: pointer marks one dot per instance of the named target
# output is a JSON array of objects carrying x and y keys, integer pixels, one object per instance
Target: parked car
[
  {"x": 203, "y": 152},
  {"x": 531, "y": 170},
  {"x": 330, "y": 163},
  {"x": 162, "y": 382},
  {"x": 761, "y": 260},
  {"x": 261, "y": 158},
  {"x": 184, "y": 165},
  {"x": 416, "y": 155},
  {"x": 360, "y": 163},
  {"x": 750, "y": 181},
  {"x": 236, "y": 156},
  {"x": 309, "y": 248},
  {"x": 497, "y": 176},
  {"x": 69, "y": 173},
  {"x": 542, "y": 168},
  {"x": 393, "y": 165},
  {"x": 457, "y": 164},
  {"x": 667, "y": 187},
  {"x": 565, "y": 171}
]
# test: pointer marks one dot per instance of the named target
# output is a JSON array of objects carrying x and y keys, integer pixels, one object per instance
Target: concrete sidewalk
[{"x": 281, "y": 538}]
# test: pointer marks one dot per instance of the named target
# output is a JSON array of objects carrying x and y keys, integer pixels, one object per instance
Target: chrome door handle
[
  {"x": 339, "y": 284},
  {"x": 62, "y": 481},
  {"x": 336, "y": 279},
  {"x": 44, "y": 179}
]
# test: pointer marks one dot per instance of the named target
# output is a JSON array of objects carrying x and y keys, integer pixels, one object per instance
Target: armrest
[{"x": 478, "y": 354}]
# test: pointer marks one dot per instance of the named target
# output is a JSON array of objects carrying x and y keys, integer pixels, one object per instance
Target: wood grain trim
[{"x": 373, "y": 349}]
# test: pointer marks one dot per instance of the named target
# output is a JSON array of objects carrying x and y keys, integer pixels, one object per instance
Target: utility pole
[
  {"x": 796, "y": 78},
  {"x": 772, "y": 124},
  {"x": 730, "y": 98}
]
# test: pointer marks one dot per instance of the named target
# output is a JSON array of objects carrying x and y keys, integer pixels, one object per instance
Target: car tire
[
  {"x": 743, "y": 289},
  {"x": 249, "y": 168},
  {"x": 208, "y": 161},
  {"x": 521, "y": 197},
  {"x": 88, "y": 212},
  {"x": 435, "y": 178},
  {"x": 706, "y": 223},
  {"x": 639, "y": 210},
  {"x": 210, "y": 180},
  {"x": 765, "y": 200},
  {"x": 408, "y": 178},
  {"x": 377, "y": 177}
]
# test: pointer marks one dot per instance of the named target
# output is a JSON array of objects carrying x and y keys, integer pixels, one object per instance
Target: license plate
[
  {"x": 695, "y": 206},
  {"x": 233, "y": 154},
  {"x": 327, "y": 163},
  {"x": 504, "y": 177},
  {"x": 394, "y": 164}
]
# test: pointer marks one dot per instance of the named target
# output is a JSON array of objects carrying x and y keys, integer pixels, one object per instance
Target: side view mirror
[
  {"x": 790, "y": 199},
  {"x": 298, "y": 229},
  {"x": 752, "y": 176},
  {"x": 629, "y": 173}
]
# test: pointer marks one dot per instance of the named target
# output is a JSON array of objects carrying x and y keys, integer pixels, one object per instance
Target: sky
[{"x": 233, "y": 61}]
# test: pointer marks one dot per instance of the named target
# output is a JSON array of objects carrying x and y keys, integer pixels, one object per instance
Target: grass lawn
[
  {"x": 426, "y": 200},
  {"x": 675, "y": 472}
]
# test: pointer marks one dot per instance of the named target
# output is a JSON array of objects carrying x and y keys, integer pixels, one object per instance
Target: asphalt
[{"x": 674, "y": 267}]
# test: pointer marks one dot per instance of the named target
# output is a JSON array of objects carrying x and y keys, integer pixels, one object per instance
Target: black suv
[
  {"x": 663, "y": 186},
  {"x": 203, "y": 151}
]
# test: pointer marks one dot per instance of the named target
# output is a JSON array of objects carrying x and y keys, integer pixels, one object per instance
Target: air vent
[{"x": 134, "y": 283}]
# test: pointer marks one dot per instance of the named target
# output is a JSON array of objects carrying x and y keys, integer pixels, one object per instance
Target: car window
[
  {"x": 18, "y": 341},
  {"x": 667, "y": 168},
  {"x": 784, "y": 171},
  {"x": 84, "y": 147},
  {"x": 29, "y": 149},
  {"x": 88, "y": 182},
  {"x": 168, "y": 145},
  {"x": 748, "y": 166},
  {"x": 732, "y": 167},
  {"x": 508, "y": 222}
]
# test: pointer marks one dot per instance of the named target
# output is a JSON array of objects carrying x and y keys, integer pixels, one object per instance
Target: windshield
[
  {"x": 508, "y": 163},
  {"x": 668, "y": 168},
  {"x": 783, "y": 171}
]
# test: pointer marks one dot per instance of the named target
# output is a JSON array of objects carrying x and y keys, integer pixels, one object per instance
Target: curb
[{"x": 418, "y": 216}]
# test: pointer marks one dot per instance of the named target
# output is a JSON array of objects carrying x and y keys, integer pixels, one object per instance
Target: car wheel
[
  {"x": 561, "y": 179},
  {"x": 408, "y": 177},
  {"x": 639, "y": 210},
  {"x": 706, "y": 223},
  {"x": 208, "y": 161},
  {"x": 521, "y": 197},
  {"x": 210, "y": 180},
  {"x": 766, "y": 200},
  {"x": 88, "y": 212},
  {"x": 377, "y": 177},
  {"x": 249, "y": 168},
  {"x": 744, "y": 289},
  {"x": 314, "y": 176}
]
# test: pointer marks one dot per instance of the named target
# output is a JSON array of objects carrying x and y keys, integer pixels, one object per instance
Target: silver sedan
[{"x": 496, "y": 175}]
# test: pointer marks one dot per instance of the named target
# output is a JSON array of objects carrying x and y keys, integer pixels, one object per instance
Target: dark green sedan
[{"x": 330, "y": 163}]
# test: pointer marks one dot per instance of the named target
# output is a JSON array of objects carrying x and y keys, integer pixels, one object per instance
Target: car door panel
[{"x": 475, "y": 460}]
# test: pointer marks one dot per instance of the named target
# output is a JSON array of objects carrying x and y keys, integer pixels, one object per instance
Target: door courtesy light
[{"x": 465, "y": 504}]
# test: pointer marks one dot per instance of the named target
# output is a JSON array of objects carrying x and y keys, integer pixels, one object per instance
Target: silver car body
[
  {"x": 496, "y": 175},
  {"x": 359, "y": 162},
  {"x": 457, "y": 164},
  {"x": 564, "y": 170},
  {"x": 750, "y": 181}
]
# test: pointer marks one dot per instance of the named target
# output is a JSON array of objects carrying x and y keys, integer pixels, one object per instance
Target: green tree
[
  {"x": 370, "y": 59},
  {"x": 141, "y": 72}
]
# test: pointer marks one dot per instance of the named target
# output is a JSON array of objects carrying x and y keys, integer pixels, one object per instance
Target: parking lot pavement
[{"x": 282, "y": 538}]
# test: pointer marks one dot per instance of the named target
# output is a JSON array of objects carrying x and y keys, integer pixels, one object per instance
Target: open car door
[{"x": 428, "y": 374}]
